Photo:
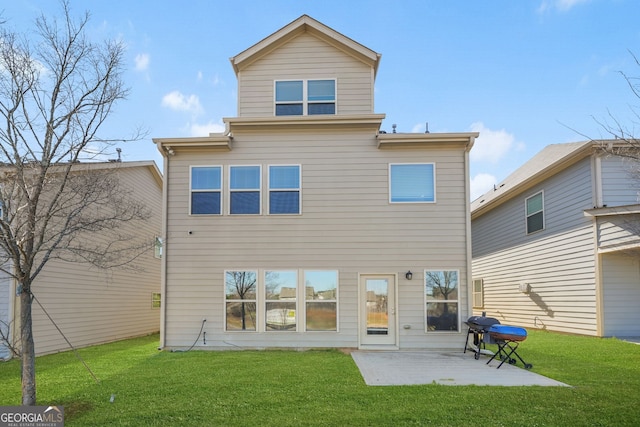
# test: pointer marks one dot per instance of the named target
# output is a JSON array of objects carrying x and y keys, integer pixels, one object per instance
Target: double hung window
[
  {"x": 305, "y": 97},
  {"x": 156, "y": 300},
  {"x": 412, "y": 183},
  {"x": 240, "y": 300},
  {"x": 281, "y": 290},
  {"x": 478, "y": 293},
  {"x": 206, "y": 186},
  {"x": 535, "y": 213},
  {"x": 244, "y": 190},
  {"x": 281, "y": 300},
  {"x": 321, "y": 300},
  {"x": 284, "y": 189},
  {"x": 442, "y": 299}
]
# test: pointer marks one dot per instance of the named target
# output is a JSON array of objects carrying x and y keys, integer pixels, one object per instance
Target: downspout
[
  {"x": 598, "y": 275},
  {"x": 165, "y": 244},
  {"x": 467, "y": 204},
  {"x": 14, "y": 314}
]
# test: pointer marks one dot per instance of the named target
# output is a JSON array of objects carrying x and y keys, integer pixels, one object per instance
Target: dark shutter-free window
[{"x": 206, "y": 184}]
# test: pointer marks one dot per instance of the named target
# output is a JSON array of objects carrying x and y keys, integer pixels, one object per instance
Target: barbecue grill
[
  {"x": 487, "y": 330},
  {"x": 508, "y": 338},
  {"x": 479, "y": 327}
]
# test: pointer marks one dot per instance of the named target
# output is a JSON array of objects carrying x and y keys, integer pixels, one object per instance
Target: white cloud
[
  {"x": 419, "y": 128},
  {"x": 142, "y": 61},
  {"x": 561, "y": 5},
  {"x": 198, "y": 129},
  {"x": 492, "y": 145},
  {"x": 177, "y": 101},
  {"x": 481, "y": 183}
]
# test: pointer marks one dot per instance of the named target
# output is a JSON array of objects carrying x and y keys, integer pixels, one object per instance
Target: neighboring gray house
[
  {"x": 298, "y": 226},
  {"x": 91, "y": 305},
  {"x": 556, "y": 244}
]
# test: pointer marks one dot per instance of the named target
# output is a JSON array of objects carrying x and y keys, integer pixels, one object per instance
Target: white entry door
[{"x": 378, "y": 310}]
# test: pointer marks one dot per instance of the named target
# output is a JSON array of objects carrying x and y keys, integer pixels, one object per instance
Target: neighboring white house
[
  {"x": 298, "y": 226},
  {"x": 91, "y": 305},
  {"x": 556, "y": 244}
]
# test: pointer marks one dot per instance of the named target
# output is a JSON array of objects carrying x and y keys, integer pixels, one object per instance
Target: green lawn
[{"x": 289, "y": 388}]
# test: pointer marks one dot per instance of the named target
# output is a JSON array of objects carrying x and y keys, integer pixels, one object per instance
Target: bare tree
[
  {"x": 57, "y": 88},
  {"x": 242, "y": 285},
  {"x": 626, "y": 144}
]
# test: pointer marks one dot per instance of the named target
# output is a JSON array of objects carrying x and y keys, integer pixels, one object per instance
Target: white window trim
[
  {"x": 435, "y": 185},
  {"x": 265, "y": 301},
  {"x": 526, "y": 215},
  {"x": 424, "y": 296},
  {"x": 158, "y": 247},
  {"x": 305, "y": 101},
  {"x": 261, "y": 301},
  {"x": 154, "y": 300},
  {"x": 474, "y": 293},
  {"x": 191, "y": 190},
  {"x": 224, "y": 298},
  {"x": 304, "y": 300},
  {"x": 259, "y": 189},
  {"x": 299, "y": 189}
]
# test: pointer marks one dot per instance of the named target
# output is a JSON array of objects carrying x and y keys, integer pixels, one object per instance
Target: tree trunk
[
  {"x": 244, "y": 323},
  {"x": 28, "y": 351}
]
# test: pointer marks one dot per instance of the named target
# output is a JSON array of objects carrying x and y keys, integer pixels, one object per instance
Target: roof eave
[
  {"x": 167, "y": 146},
  {"x": 301, "y": 25},
  {"x": 550, "y": 170},
  {"x": 351, "y": 121},
  {"x": 426, "y": 140}
]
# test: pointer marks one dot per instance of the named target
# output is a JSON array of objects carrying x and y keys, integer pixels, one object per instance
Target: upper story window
[
  {"x": 284, "y": 189},
  {"x": 412, "y": 183},
  {"x": 244, "y": 190},
  {"x": 535, "y": 212},
  {"x": 305, "y": 97},
  {"x": 206, "y": 185},
  {"x": 157, "y": 247}
]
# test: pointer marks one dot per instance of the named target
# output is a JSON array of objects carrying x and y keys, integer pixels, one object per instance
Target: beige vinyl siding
[
  {"x": 618, "y": 230},
  {"x": 347, "y": 224},
  {"x": 619, "y": 187},
  {"x": 92, "y": 305},
  {"x": 558, "y": 262},
  {"x": 305, "y": 57},
  {"x": 621, "y": 275}
]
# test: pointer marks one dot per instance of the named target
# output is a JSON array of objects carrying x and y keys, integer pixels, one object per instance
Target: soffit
[
  {"x": 301, "y": 25},
  {"x": 426, "y": 140},
  {"x": 216, "y": 142},
  {"x": 370, "y": 122}
]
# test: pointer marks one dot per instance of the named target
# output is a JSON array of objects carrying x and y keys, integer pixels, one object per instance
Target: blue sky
[{"x": 524, "y": 73}]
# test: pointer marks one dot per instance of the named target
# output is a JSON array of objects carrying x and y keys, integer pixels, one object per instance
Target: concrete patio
[{"x": 446, "y": 368}]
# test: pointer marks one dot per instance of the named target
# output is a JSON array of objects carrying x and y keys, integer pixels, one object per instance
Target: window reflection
[
  {"x": 441, "y": 292},
  {"x": 321, "y": 306}
]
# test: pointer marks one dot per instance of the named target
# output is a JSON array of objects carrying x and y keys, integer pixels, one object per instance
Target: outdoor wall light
[{"x": 409, "y": 275}]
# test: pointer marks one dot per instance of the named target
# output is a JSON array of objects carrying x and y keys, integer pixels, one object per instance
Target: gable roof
[
  {"x": 305, "y": 24},
  {"x": 552, "y": 159}
]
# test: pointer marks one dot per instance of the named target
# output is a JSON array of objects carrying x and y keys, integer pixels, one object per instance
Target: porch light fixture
[{"x": 409, "y": 275}]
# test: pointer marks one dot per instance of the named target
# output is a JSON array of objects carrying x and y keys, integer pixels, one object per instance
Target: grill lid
[{"x": 481, "y": 322}]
